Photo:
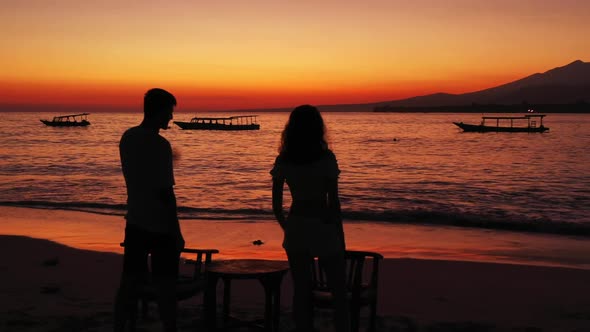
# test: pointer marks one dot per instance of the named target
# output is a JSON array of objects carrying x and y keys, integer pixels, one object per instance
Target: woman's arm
[
  {"x": 333, "y": 199},
  {"x": 334, "y": 206},
  {"x": 277, "y": 200}
]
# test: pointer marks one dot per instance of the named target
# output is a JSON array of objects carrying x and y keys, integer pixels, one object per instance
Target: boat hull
[
  {"x": 216, "y": 126},
  {"x": 82, "y": 123},
  {"x": 484, "y": 129}
]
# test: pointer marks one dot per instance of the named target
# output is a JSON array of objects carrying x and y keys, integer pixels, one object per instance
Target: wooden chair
[
  {"x": 187, "y": 286},
  {"x": 361, "y": 281}
]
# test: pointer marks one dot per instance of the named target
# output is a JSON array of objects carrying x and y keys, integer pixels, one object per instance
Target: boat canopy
[
  {"x": 524, "y": 117},
  {"x": 530, "y": 118},
  {"x": 238, "y": 119},
  {"x": 67, "y": 117}
]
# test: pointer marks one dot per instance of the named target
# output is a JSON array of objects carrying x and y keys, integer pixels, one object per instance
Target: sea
[{"x": 408, "y": 168}]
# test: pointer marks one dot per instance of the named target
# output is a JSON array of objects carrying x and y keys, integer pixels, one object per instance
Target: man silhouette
[{"x": 152, "y": 226}]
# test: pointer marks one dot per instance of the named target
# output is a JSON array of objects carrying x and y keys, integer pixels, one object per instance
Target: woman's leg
[
  {"x": 300, "y": 267},
  {"x": 334, "y": 266}
]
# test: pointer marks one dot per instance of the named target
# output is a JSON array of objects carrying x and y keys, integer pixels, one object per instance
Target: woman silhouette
[{"x": 313, "y": 227}]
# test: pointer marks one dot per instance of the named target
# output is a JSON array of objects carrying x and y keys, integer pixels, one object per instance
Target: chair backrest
[
  {"x": 362, "y": 274},
  {"x": 200, "y": 265},
  {"x": 357, "y": 276},
  {"x": 203, "y": 258}
]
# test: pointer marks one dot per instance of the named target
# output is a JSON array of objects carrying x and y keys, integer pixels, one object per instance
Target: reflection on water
[{"x": 407, "y": 167}]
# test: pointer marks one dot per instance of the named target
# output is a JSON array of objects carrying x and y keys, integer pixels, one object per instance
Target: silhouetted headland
[{"x": 560, "y": 90}]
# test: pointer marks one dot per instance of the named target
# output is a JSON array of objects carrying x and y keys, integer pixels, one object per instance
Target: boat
[
  {"x": 512, "y": 124},
  {"x": 72, "y": 120},
  {"x": 240, "y": 122}
]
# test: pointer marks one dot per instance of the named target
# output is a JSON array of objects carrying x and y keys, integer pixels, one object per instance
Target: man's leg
[
  {"x": 165, "y": 264},
  {"x": 125, "y": 305},
  {"x": 134, "y": 273}
]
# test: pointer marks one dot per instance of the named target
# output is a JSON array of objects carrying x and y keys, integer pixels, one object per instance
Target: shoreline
[
  {"x": 51, "y": 287},
  {"x": 418, "y": 218},
  {"x": 90, "y": 231}
]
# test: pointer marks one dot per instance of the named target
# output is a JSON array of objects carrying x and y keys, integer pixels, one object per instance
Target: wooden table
[{"x": 270, "y": 274}]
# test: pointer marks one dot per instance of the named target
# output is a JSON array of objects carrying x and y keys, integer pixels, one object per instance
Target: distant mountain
[
  {"x": 569, "y": 84},
  {"x": 561, "y": 85}
]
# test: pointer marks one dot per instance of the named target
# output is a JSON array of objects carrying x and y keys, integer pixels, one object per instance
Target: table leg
[
  {"x": 277, "y": 304},
  {"x": 210, "y": 303},
  {"x": 272, "y": 303},
  {"x": 226, "y": 298},
  {"x": 268, "y": 303}
]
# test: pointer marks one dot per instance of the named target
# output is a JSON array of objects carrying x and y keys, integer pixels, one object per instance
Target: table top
[{"x": 247, "y": 268}]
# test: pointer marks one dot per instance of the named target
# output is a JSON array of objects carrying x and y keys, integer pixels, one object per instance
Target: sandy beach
[
  {"x": 51, "y": 287},
  {"x": 48, "y": 286}
]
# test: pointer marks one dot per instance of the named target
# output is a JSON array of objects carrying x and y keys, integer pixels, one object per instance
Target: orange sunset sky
[{"x": 234, "y": 54}]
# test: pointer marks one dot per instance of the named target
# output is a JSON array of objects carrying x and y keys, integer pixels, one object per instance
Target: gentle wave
[{"x": 414, "y": 216}]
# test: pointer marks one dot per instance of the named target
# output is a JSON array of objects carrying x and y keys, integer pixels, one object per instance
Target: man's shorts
[{"x": 139, "y": 244}]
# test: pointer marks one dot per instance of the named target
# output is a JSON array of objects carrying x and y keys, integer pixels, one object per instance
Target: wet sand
[{"x": 234, "y": 238}]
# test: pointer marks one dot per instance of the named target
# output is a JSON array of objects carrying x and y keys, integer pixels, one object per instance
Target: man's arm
[{"x": 169, "y": 200}]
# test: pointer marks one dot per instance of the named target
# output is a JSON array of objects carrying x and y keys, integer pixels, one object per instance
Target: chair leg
[
  {"x": 355, "y": 313},
  {"x": 145, "y": 304},
  {"x": 372, "y": 316},
  {"x": 132, "y": 322}
]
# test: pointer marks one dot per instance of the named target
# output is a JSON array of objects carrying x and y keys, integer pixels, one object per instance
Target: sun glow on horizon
[{"x": 227, "y": 55}]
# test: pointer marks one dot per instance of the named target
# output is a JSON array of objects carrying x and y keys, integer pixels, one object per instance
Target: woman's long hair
[{"x": 304, "y": 137}]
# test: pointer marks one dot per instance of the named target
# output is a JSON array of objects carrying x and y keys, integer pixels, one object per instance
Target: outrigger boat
[
  {"x": 241, "y": 122},
  {"x": 506, "y": 124},
  {"x": 72, "y": 120}
]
